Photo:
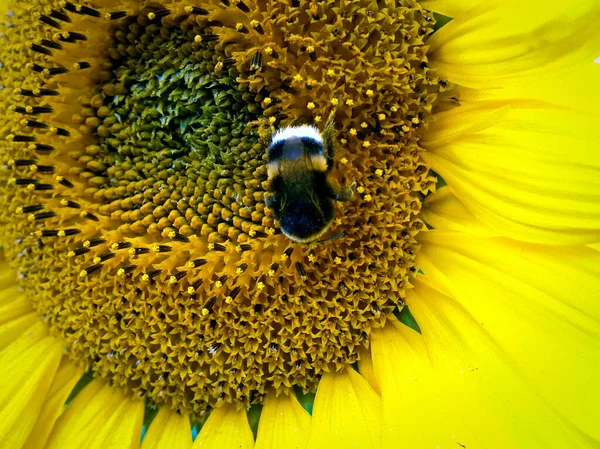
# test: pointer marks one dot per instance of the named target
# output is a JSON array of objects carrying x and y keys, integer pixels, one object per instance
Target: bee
[{"x": 302, "y": 197}]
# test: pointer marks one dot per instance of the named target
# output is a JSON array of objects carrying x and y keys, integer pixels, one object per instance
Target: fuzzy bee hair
[{"x": 302, "y": 197}]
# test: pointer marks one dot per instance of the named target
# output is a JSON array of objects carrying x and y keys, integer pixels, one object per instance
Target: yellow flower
[{"x": 456, "y": 305}]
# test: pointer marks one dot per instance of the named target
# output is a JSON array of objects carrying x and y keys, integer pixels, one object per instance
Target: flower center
[{"x": 136, "y": 177}]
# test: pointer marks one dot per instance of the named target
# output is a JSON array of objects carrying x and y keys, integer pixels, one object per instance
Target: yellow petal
[
  {"x": 283, "y": 424},
  {"x": 66, "y": 377},
  {"x": 451, "y": 387},
  {"x": 99, "y": 417},
  {"x": 3, "y": 8},
  {"x": 169, "y": 430},
  {"x": 13, "y": 304},
  {"x": 557, "y": 90},
  {"x": 538, "y": 303},
  {"x": 226, "y": 427},
  {"x": 365, "y": 366},
  {"x": 442, "y": 210},
  {"x": 499, "y": 41},
  {"x": 534, "y": 175},
  {"x": 28, "y": 367},
  {"x": 7, "y": 276},
  {"x": 11, "y": 329},
  {"x": 12, "y": 301},
  {"x": 450, "y": 8},
  {"x": 346, "y": 413}
]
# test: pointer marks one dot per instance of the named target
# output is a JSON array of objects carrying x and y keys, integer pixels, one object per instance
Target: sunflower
[{"x": 149, "y": 298}]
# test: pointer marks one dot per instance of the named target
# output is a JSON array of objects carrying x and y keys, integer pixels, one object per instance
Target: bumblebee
[{"x": 300, "y": 161}]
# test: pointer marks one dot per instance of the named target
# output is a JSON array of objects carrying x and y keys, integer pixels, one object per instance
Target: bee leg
[
  {"x": 329, "y": 135},
  {"x": 345, "y": 194}
]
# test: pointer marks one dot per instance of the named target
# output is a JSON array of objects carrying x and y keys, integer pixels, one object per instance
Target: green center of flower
[
  {"x": 136, "y": 212},
  {"x": 177, "y": 133}
]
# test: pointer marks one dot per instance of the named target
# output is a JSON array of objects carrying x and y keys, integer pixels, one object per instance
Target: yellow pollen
[
  {"x": 271, "y": 273},
  {"x": 239, "y": 26},
  {"x": 218, "y": 284},
  {"x": 172, "y": 280},
  {"x": 310, "y": 105},
  {"x": 343, "y": 161},
  {"x": 228, "y": 299},
  {"x": 349, "y": 102},
  {"x": 352, "y": 132},
  {"x": 298, "y": 78},
  {"x": 267, "y": 101},
  {"x": 268, "y": 50},
  {"x": 338, "y": 260},
  {"x": 71, "y": 254},
  {"x": 381, "y": 117},
  {"x": 318, "y": 118},
  {"x": 415, "y": 120},
  {"x": 310, "y": 49},
  {"x": 190, "y": 290},
  {"x": 204, "y": 312},
  {"x": 330, "y": 72},
  {"x": 272, "y": 120},
  {"x": 145, "y": 277},
  {"x": 360, "y": 189},
  {"x": 120, "y": 272},
  {"x": 82, "y": 273},
  {"x": 334, "y": 101},
  {"x": 405, "y": 128},
  {"x": 364, "y": 125},
  {"x": 260, "y": 285},
  {"x": 367, "y": 197},
  {"x": 369, "y": 93},
  {"x": 379, "y": 172},
  {"x": 394, "y": 109},
  {"x": 366, "y": 144}
]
